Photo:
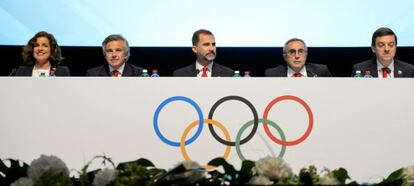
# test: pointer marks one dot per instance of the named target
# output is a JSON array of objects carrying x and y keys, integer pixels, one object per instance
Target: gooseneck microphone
[
  {"x": 13, "y": 72},
  {"x": 311, "y": 74}
]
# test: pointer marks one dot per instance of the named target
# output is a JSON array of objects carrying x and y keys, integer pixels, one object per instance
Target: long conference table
[{"x": 363, "y": 125}]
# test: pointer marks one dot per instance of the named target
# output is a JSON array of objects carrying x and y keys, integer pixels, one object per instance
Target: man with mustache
[
  {"x": 204, "y": 46},
  {"x": 295, "y": 54},
  {"x": 116, "y": 51},
  {"x": 384, "y": 46}
]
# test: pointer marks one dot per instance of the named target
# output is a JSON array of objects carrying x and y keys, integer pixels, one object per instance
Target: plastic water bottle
[
  {"x": 144, "y": 73},
  {"x": 247, "y": 74},
  {"x": 367, "y": 74},
  {"x": 155, "y": 73},
  {"x": 358, "y": 74},
  {"x": 236, "y": 73}
]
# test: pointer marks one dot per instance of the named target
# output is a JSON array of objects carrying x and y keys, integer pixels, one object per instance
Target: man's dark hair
[
  {"x": 383, "y": 31},
  {"x": 196, "y": 35}
]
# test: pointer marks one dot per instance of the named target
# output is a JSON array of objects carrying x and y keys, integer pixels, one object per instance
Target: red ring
[{"x": 308, "y": 130}]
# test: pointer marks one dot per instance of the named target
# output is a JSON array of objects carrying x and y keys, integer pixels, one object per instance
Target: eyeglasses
[{"x": 292, "y": 52}]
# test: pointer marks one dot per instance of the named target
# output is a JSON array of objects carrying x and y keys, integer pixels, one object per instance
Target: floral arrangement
[{"x": 50, "y": 170}]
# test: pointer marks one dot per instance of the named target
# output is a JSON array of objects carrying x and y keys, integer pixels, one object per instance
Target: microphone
[
  {"x": 196, "y": 72},
  {"x": 13, "y": 72},
  {"x": 311, "y": 74}
]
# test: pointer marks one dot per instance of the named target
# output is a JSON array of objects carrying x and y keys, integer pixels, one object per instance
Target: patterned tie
[
  {"x": 115, "y": 73},
  {"x": 204, "y": 69},
  {"x": 297, "y": 74},
  {"x": 385, "y": 72}
]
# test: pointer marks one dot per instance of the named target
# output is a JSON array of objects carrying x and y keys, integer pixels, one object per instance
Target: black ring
[{"x": 255, "y": 124}]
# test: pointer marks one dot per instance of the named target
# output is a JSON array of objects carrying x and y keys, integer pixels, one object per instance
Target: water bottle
[
  {"x": 247, "y": 74},
  {"x": 358, "y": 74},
  {"x": 236, "y": 73},
  {"x": 144, "y": 73},
  {"x": 155, "y": 73},
  {"x": 367, "y": 74}
]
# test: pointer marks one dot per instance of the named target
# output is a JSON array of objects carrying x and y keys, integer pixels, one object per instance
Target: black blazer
[
  {"x": 217, "y": 71},
  {"x": 27, "y": 71},
  {"x": 312, "y": 69},
  {"x": 129, "y": 70},
  {"x": 401, "y": 69}
]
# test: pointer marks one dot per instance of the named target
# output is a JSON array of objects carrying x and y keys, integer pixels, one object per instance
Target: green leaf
[
  {"x": 341, "y": 175},
  {"x": 12, "y": 173},
  {"x": 245, "y": 173},
  {"x": 51, "y": 178},
  {"x": 308, "y": 176},
  {"x": 247, "y": 165},
  {"x": 142, "y": 162},
  {"x": 228, "y": 169},
  {"x": 395, "y": 177},
  {"x": 305, "y": 178}
]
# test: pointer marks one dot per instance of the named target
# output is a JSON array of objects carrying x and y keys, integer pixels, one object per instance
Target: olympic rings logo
[{"x": 238, "y": 141}]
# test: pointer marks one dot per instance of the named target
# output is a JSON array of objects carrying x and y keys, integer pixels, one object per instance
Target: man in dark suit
[
  {"x": 204, "y": 46},
  {"x": 116, "y": 52},
  {"x": 384, "y": 46},
  {"x": 295, "y": 52}
]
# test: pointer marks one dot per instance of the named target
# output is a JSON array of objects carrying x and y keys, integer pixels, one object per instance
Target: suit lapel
[
  {"x": 373, "y": 68},
  {"x": 191, "y": 70},
  {"x": 284, "y": 71},
  {"x": 105, "y": 71},
  {"x": 28, "y": 70},
  {"x": 398, "y": 71},
  {"x": 127, "y": 71},
  {"x": 216, "y": 70},
  {"x": 310, "y": 71}
]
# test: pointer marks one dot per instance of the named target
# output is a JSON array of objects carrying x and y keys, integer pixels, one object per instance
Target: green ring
[{"x": 271, "y": 123}]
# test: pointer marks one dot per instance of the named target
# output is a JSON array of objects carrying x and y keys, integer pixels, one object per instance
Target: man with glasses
[
  {"x": 295, "y": 53},
  {"x": 384, "y": 46}
]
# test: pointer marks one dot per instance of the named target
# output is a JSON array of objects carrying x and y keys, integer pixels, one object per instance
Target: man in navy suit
[
  {"x": 295, "y": 53},
  {"x": 384, "y": 46},
  {"x": 116, "y": 51},
  {"x": 204, "y": 46}
]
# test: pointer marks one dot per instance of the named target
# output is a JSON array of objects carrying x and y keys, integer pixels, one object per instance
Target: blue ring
[{"x": 200, "y": 118}]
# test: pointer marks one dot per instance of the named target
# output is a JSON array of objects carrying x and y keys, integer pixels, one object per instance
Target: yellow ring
[{"x": 195, "y": 123}]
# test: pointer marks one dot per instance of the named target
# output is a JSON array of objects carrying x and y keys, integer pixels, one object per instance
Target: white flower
[
  {"x": 328, "y": 179},
  {"x": 104, "y": 177},
  {"x": 408, "y": 172},
  {"x": 22, "y": 182},
  {"x": 273, "y": 168},
  {"x": 260, "y": 180},
  {"x": 50, "y": 164}
]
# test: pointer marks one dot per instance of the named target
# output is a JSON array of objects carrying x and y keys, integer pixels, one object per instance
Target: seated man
[
  {"x": 116, "y": 52},
  {"x": 384, "y": 46},
  {"x": 204, "y": 46},
  {"x": 295, "y": 53}
]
